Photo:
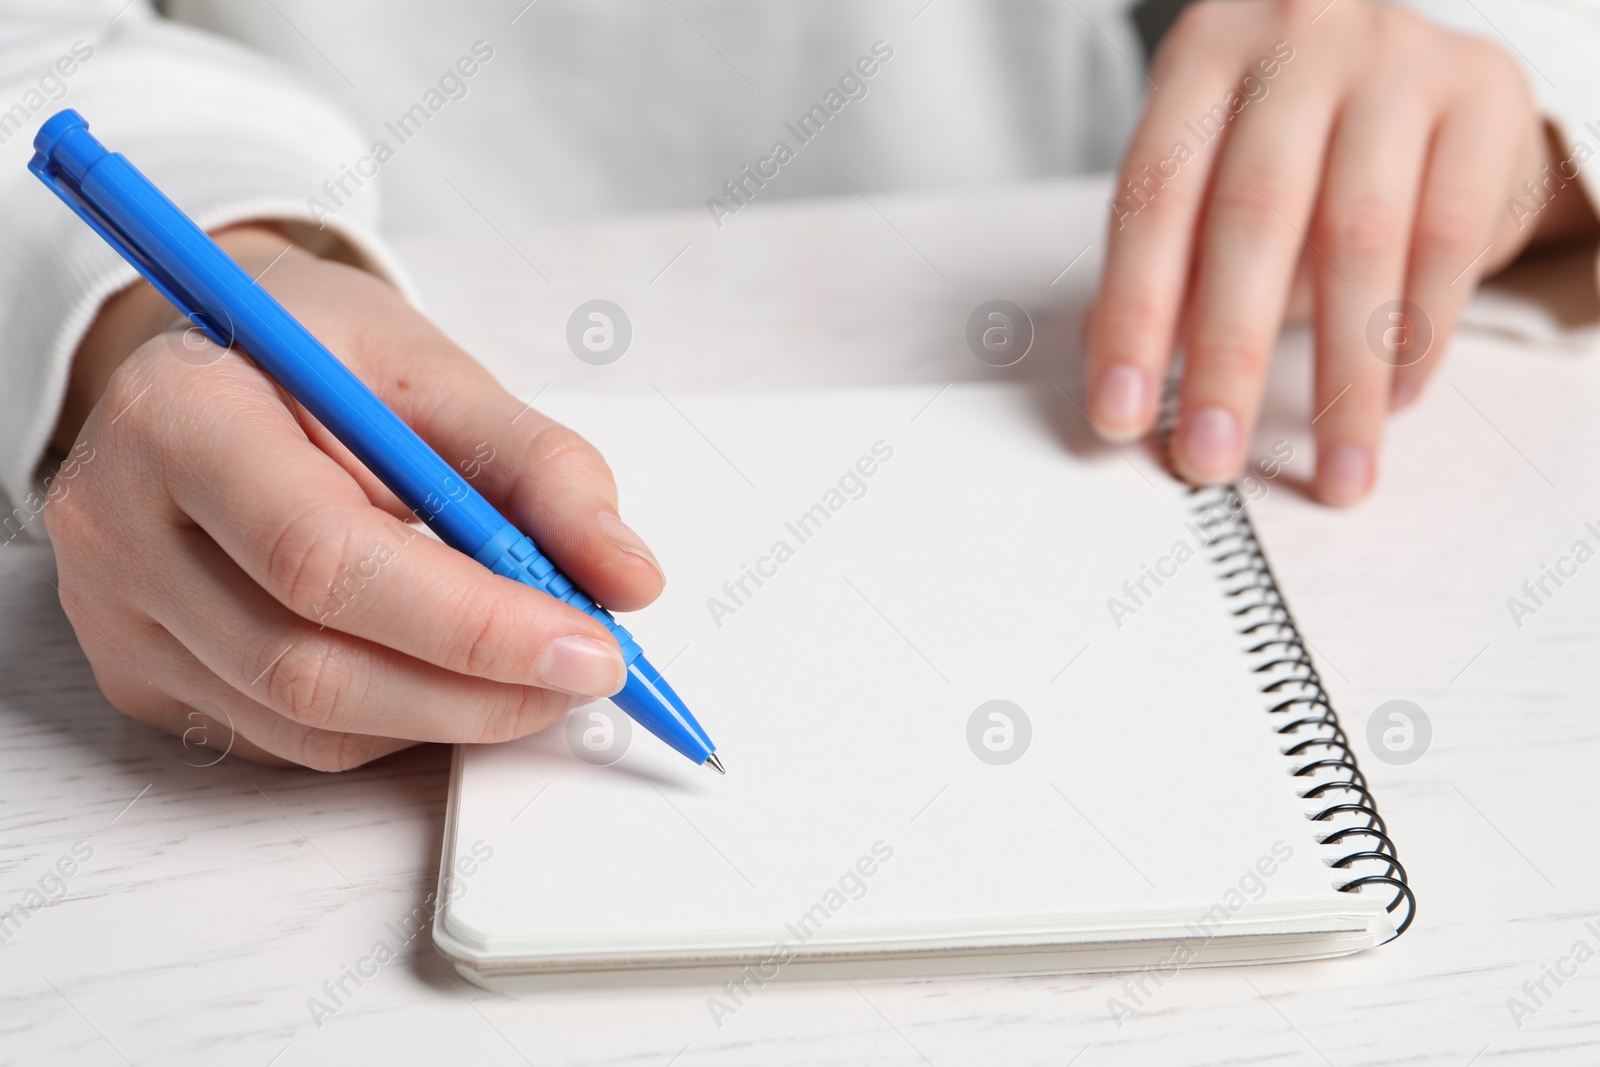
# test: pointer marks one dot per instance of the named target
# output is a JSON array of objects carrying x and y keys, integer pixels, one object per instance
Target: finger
[
  {"x": 287, "y": 515},
  {"x": 261, "y": 735},
  {"x": 546, "y": 479},
  {"x": 1467, "y": 170},
  {"x": 211, "y": 734},
  {"x": 554, "y": 485},
  {"x": 1364, "y": 226},
  {"x": 1251, "y": 240},
  {"x": 131, "y": 686},
  {"x": 225, "y": 724},
  {"x": 216, "y": 722},
  {"x": 550, "y": 482},
  {"x": 1158, "y": 196},
  {"x": 326, "y": 680}
]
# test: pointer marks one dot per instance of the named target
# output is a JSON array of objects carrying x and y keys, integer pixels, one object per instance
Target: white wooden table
[{"x": 211, "y": 903}]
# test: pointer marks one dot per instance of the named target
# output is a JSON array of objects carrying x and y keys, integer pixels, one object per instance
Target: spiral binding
[{"x": 1311, "y": 728}]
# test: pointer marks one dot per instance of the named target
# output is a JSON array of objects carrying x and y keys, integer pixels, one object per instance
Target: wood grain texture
[{"x": 218, "y": 900}]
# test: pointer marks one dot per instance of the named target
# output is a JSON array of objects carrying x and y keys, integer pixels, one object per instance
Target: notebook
[{"x": 993, "y": 697}]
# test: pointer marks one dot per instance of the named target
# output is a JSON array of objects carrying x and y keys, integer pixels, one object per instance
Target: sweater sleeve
[
  {"x": 1556, "y": 42},
  {"x": 226, "y": 134}
]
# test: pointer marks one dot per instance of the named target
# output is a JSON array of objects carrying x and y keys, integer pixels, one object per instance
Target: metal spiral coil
[{"x": 1312, "y": 732}]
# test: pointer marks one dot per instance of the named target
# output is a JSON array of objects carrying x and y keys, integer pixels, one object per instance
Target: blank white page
[{"x": 974, "y": 563}]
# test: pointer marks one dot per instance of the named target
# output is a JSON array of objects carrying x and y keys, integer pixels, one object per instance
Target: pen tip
[{"x": 715, "y": 764}]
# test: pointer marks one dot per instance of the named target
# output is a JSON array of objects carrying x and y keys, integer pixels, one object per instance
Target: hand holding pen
[{"x": 219, "y": 547}]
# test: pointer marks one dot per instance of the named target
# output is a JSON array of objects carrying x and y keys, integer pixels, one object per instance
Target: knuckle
[
  {"x": 1366, "y": 226},
  {"x": 526, "y": 710},
  {"x": 128, "y": 385},
  {"x": 1293, "y": 16},
  {"x": 1229, "y": 353},
  {"x": 557, "y": 458},
  {"x": 69, "y": 608},
  {"x": 310, "y": 684},
  {"x": 1137, "y": 323},
  {"x": 1247, "y": 202},
  {"x": 72, "y": 498},
  {"x": 1496, "y": 58},
  {"x": 90, "y": 620},
  {"x": 558, "y": 447},
  {"x": 122, "y": 694},
  {"x": 1449, "y": 224},
  {"x": 304, "y": 560},
  {"x": 1499, "y": 85},
  {"x": 1145, "y": 188},
  {"x": 66, "y": 518},
  {"x": 129, "y": 693},
  {"x": 331, "y": 750},
  {"x": 479, "y": 644}
]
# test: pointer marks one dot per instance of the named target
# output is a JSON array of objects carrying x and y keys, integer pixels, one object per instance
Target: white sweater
[{"x": 557, "y": 110}]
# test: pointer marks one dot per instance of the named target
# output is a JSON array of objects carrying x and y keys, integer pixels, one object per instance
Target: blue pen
[{"x": 200, "y": 280}]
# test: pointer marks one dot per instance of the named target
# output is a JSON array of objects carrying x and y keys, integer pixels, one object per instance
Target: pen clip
[{"x": 73, "y": 197}]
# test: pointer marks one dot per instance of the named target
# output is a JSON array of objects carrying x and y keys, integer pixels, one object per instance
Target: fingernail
[
  {"x": 582, "y": 665},
  {"x": 1210, "y": 445},
  {"x": 623, "y": 537},
  {"x": 1344, "y": 473},
  {"x": 1403, "y": 392},
  {"x": 1119, "y": 400}
]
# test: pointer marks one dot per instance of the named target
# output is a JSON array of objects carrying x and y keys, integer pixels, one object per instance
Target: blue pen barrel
[
  {"x": 195, "y": 273},
  {"x": 200, "y": 279}
]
